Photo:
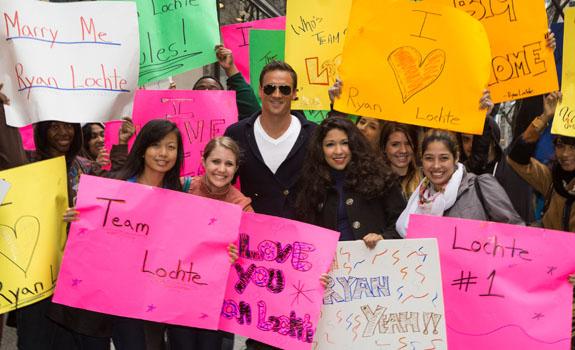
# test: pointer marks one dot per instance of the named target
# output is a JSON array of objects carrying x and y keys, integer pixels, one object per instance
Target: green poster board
[
  {"x": 315, "y": 116},
  {"x": 176, "y": 36},
  {"x": 265, "y": 46}
]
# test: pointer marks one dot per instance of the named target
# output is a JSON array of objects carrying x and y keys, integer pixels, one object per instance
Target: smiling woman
[
  {"x": 399, "y": 146},
  {"x": 346, "y": 187},
  {"x": 156, "y": 160},
  {"x": 93, "y": 140},
  {"x": 221, "y": 160},
  {"x": 449, "y": 190},
  {"x": 156, "y": 157}
]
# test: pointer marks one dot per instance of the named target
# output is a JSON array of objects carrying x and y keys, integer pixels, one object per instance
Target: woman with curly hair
[{"x": 345, "y": 187}]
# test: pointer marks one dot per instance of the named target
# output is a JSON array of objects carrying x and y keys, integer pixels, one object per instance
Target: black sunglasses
[{"x": 271, "y": 88}]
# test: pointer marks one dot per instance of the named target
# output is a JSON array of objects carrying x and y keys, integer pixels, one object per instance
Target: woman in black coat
[{"x": 346, "y": 187}]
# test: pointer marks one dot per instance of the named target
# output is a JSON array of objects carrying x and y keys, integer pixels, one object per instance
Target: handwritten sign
[
  {"x": 265, "y": 46},
  {"x": 176, "y": 36},
  {"x": 199, "y": 115},
  {"x": 131, "y": 257},
  {"x": 32, "y": 233},
  {"x": 564, "y": 120},
  {"x": 388, "y": 295},
  {"x": 237, "y": 37},
  {"x": 505, "y": 286},
  {"x": 522, "y": 65},
  {"x": 422, "y": 53},
  {"x": 315, "y": 33},
  {"x": 70, "y": 62},
  {"x": 27, "y": 135},
  {"x": 274, "y": 293}
]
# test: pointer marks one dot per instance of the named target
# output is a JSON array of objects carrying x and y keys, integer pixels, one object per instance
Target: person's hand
[
  {"x": 103, "y": 158},
  {"x": 324, "y": 280},
  {"x": 127, "y": 130},
  {"x": 550, "y": 39},
  {"x": 233, "y": 252},
  {"x": 485, "y": 102},
  {"x": 70, "y": 215},
  {"x": 571, "y": 279},
  {"x": 3, "y": 98},
  {"x": 550, "y": 104},
  {"x": 226, "y": 60},
  {"x": 371, "y": 239},
  {"x": 335, "y": 90}
]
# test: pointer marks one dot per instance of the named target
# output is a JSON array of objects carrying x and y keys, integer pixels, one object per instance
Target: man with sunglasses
[{"x": 274, "y": 143}]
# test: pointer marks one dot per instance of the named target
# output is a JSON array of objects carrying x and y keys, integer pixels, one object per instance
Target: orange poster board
[
  {"x": 522, "y": 65},
  {"x": 416, "y": 63}
]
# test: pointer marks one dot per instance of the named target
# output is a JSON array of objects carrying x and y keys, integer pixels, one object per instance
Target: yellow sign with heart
[
  {"x": 32, "y": 233},
  {"x": 415, "y": 63}
]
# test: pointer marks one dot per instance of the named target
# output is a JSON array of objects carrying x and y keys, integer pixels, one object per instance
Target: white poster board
[
  {"x": 4, "y": 187},
  {"x": 74, "y": 62},
  {"x": 388, "y": 297}
]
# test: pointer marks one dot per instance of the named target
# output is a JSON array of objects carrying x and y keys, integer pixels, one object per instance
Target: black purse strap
[{"x": 481, "y": 198}]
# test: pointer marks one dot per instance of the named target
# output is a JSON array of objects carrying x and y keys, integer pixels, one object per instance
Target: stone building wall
[{"x": 234, "y": 11}]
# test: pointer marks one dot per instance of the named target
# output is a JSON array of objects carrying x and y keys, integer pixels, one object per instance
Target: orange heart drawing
[
  {"x": 18, "y": 243},
  {"x": 411, "y": 72}
]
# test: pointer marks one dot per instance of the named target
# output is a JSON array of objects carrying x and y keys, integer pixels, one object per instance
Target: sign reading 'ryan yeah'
[{"x": 435, "y": 51}]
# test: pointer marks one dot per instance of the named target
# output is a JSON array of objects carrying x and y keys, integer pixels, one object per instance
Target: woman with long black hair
[
  {"x": 346, "y": 187},
  {"x": 156, "y": 160}
]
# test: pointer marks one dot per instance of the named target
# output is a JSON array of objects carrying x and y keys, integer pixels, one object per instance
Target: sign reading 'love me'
[{"x": 435, "y": 51}]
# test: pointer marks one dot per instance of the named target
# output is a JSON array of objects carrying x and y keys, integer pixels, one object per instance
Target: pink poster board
[
  {"x": 505, "y": 286},
  {"x": 200, "y": 115},
  {"x": 274, "y": 294},
  {"x": 129, "y": 256},
  {"x": 27, "y": 134},
  {"x": 111, "y": 130},
  {"x": 236, "y": 37}
]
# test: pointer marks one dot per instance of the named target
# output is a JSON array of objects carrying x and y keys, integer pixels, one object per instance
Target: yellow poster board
[
  {"x": 315, "y": 32},
  {"x": 32, "y": 233},
  {"x": 522, "y": 65},
  {"x": 564, "y": 119},
  {"x": 416, "y": 63}
]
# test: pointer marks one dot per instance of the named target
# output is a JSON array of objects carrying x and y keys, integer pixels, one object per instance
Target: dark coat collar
[{"x": 306, "y": 127}]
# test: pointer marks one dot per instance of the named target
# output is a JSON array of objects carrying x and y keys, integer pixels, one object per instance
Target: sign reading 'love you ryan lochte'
[{"x": 435, "y": 51}]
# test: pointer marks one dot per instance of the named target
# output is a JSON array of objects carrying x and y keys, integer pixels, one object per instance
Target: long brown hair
[{"x": 411, "y": 180}]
